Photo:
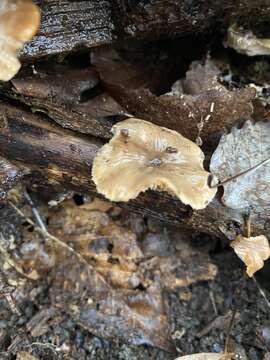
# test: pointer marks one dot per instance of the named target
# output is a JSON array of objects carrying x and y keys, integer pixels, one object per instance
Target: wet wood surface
[
  {"x": 63, "y": 158},
  {"x": 72, "y": 25}
]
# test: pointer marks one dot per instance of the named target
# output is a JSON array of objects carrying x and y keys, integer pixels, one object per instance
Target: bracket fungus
[
  {"x": 19, "y": 21},
  {"x": 143, "y": 156}
]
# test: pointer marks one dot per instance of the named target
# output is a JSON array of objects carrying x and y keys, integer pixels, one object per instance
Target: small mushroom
[
  {"x": 245, "y": 42},
  {"x": 253, "y": 251},
  {"x": 19, "y": 21},
  {"x": 143, "y": 156}
]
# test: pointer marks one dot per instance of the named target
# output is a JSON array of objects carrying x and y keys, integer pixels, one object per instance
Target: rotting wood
[
  {"x": 59, "y": 93},
  {"x": 63, "y": 158},
  {"x": 71, "y": 25}
]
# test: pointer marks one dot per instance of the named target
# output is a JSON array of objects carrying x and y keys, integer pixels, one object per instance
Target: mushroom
[
  {"x": 19, "y": 21},
  {"x": 253, "y": 251},
  {"x": 143, "y": 156},
  {"x": 245, "y": 42}
]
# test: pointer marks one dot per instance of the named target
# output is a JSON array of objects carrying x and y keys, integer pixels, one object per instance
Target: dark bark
[
  {"x": 71, "y": 25},
  {"x": 62, "y": 93},
  {"x": 63, "y": 157}
]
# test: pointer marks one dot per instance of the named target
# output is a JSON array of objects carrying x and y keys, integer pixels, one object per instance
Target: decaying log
[
  {"x": 60, "y": 93},
  {"x": 69, "y": 25},
  {"x": 62, "y": 157}
]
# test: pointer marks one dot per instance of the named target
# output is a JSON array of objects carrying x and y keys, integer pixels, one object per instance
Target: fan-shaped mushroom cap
[
  {"x": 253, "y": 251},
  {"x": 19, "y": 21},
  {"x": 144, "y": 156}
]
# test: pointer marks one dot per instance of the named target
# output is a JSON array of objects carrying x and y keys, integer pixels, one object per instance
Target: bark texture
[{"x": 63, "y": 158}]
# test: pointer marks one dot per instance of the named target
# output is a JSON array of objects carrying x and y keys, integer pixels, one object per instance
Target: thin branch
[
  {"x": 35, "y": 212},
  {"x": 253, "y": 168},
  {"x": 261, "y": 291}
]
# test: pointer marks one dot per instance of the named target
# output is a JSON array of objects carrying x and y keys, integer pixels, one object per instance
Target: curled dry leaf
[
  {"x": 144, "y": 156},
  {"x": 206, "y": 356},
  {"x": 245, "y": 42},
  {"x": 253, "y": 251},
  {"x": 238, "y": 152},
  {"x": 198, "y": 104},
  {"x": 19, "y": 21}
]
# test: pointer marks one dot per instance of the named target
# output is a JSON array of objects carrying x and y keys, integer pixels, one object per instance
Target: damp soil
[{"x": 199, "y": 314}]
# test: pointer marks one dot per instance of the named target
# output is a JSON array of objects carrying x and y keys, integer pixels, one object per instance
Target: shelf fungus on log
[
  {"x": 144, "y": 156},
  {"x": 19, "y": 22}
]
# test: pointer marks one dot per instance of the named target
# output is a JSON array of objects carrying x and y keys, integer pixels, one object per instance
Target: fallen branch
[{"x": 63, "y": 159}]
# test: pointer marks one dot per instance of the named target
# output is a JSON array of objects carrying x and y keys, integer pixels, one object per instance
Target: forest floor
[{"x": 198, "y": 314}]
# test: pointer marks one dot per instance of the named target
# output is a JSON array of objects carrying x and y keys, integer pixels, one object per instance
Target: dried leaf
[
  {"x": 200, "y": 105},
  {"x": 238, "y": 152},
  {"x": 205, "y": 356},
  {"x": 252, "y": 251}
]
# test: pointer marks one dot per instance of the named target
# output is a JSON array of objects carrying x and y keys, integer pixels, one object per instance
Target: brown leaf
[
  {"x": 252, "y": 251},
  {"x": 196, "y": 105}
]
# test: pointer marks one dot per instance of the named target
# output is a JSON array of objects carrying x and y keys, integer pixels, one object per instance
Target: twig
[
  {"x": 47, "y": 235},
  {"x": 261, "y": 291},
  {"x": 247, "y": 225},
  {"x": 211, "y": 295},
  {"x": 227, "y": 340},
  {"x": 35, "y": 212},
  {"x": 255, "y": 167}
]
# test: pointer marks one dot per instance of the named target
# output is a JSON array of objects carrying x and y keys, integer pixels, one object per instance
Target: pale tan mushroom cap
[
  {"x": 19, "y": 21},
  {"x": 252, "y": 251},
  {"x": 144, "y": 156}
]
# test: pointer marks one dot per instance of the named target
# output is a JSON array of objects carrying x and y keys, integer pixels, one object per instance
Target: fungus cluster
[
  {"x": 143, "y": 156},
  {"x": 19, "y": 21}
]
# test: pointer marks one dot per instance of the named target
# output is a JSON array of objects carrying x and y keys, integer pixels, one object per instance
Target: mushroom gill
[
  {"x": 143, "y": 156},
  {"x": 19, "y": 21}
]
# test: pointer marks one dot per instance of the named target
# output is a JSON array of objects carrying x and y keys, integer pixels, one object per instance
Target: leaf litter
[
  {"x": 199, "y": 97},
  {"x": 244, "y": 151},
  {"x": 119, "y": 290}
]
